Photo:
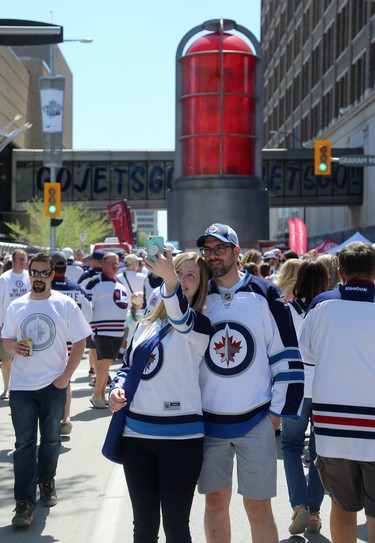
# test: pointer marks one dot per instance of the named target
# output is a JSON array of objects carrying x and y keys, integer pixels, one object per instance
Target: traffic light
[
  {"x": 322, "y": 157},
  {"x": 52, "y": 200}
]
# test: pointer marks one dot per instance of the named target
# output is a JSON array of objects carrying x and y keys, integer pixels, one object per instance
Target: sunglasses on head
[{"x": 44, "y": 273}]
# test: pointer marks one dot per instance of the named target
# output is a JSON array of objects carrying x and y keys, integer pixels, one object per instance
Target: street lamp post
[{"x": 52, "y": 104}]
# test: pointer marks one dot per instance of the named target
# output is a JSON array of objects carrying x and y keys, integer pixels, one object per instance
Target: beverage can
[{"x": 29, "y": 341}]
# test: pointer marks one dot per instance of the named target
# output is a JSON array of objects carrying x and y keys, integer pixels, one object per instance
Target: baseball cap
[
  {"x": 59, "y": 259},
  {"x": 68, "y": 252},
  {"x": 223, "y": 232},
  {"x": 268, "y": 254},
  {"x": 130, "y": 259},
  {"x": 96, "y": 255},
  {"x": 172, "y": 248}
]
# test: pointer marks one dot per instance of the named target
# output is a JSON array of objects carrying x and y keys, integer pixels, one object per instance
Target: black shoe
[
  {"x": 23, "y": 516},
  {"x": 48, "y": 496}
]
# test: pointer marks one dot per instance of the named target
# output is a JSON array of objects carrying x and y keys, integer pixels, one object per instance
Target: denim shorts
[
  {"x": 350, "y": 483},
  {"x": 256, "y": 463}
]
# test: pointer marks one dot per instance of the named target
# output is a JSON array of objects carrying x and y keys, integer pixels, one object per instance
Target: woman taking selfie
[{"x": 162, "y": 443}]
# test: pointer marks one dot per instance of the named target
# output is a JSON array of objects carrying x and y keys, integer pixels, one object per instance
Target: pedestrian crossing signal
[
  {"x": 322, "y": 157},
  {"x": 52, "y": 200}
]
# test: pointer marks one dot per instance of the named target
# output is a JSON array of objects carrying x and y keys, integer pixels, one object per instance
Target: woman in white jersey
[{"x": 162, "y": 442}]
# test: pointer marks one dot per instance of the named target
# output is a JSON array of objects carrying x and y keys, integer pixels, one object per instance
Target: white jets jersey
[
  {"x": 253, "y": 365},
  {"x": 337, "y": 336}
]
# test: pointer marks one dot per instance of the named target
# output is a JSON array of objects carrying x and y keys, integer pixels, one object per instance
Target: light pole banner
[
  {"x": 52, "y": 109},
  {"x": 52, "y": 105}
]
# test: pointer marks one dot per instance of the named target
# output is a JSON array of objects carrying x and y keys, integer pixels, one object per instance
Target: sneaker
[
  {"x": 48, "y": 496},
  {"x": 315, "y": 523},
  {"x": 300, "y": 520},
  {"x": 98, "y": 402},
  {"x": 23, "y": 516},
  {"x": 92, "y": 382},
  {"x": 5, "y": 395},
  {"x": 66, "y": 428}
]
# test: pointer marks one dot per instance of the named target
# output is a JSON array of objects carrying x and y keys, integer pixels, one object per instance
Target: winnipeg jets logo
[
  {"x": 154, "y": 363},
  {"x": 231, "y": 349},
  {"x": 227, "y": 348}
]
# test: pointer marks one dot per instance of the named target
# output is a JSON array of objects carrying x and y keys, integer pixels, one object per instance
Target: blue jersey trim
[
  {"x": 166, "y": 430},
  {"x": 236, "y": 429},
  {"x": 289, "y": 353}
]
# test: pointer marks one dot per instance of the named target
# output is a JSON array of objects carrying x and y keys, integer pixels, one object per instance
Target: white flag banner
[{"x": 52, "y": 105}]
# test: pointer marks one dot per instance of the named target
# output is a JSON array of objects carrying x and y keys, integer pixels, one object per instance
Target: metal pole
[
  {"x": 52, "y": 168},
  {"x": 52, "y": 228}
]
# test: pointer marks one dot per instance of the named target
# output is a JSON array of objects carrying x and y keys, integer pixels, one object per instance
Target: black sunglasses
[{"x": 44, "y": 273}]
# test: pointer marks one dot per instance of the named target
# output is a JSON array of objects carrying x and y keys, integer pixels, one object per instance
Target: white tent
[{"x": 355, "y": 237}]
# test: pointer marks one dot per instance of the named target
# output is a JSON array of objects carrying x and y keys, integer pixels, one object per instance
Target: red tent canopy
[{"x": 325, "y": 246}]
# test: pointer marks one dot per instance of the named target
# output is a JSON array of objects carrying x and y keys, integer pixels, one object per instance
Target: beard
[
  {"x": 219, "y": 269},
  {"x": 38, "y": 287}
]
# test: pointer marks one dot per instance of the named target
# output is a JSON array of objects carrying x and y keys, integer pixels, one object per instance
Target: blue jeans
[
  {"x": 45, "y": 405},
  {"x": 302, "y": 491}
]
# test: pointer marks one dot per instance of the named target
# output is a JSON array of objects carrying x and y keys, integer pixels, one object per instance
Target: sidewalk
[{"x": 94, "y": 506}]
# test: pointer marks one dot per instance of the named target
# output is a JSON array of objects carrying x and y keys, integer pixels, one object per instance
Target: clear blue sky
[{"x": 124, "y": 82}]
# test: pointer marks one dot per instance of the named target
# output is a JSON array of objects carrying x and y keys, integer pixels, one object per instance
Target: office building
[{"x": 319, "y": 83}]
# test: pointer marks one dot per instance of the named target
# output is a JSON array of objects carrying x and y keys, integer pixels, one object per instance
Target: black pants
[{"x": 161, "y": 472}]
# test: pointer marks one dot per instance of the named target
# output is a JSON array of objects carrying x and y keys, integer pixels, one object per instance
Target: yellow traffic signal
[
  {"x": 52, "y": 200},
  {"x": 322, "y": 157}
]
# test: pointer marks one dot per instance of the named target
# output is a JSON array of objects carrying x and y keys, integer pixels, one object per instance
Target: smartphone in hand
[{"x": 154, "y": 244}]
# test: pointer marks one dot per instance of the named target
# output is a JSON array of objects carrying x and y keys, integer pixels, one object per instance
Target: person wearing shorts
[
  {"x": 251, "y": 376},
  {"x": 337, "y": 336},
  {"x": 110, "y": 303}
]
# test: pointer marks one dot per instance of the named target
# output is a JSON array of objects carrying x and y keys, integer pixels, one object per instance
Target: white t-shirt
[
  {"x": 136, "y": 281},
  {"x": 12, "y": 286},
  {"x": 50, "y": 323}
]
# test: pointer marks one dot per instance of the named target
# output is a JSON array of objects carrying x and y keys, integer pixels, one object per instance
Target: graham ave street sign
[{"x": 356, "y": 161}]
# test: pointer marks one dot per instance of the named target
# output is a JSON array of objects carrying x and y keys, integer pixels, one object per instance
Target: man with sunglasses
[
  {"x": 251, "y": 376},
  {"x": 36, "y": 329}
]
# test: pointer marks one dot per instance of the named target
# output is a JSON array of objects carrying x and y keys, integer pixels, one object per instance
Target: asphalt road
[{"x": 94, "y": 506}]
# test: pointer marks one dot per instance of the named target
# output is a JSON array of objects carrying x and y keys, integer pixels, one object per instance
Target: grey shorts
[
  {"x": 256, "y": 463},
  {"x": 350, "y": 483}
]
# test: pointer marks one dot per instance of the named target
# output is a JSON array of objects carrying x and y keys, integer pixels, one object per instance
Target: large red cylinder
[{"x": 218, "y": 107}]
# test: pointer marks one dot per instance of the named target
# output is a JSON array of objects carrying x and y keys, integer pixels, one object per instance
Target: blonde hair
[
  {"x": 331, "y": 262},
  {"x": 199, "y": 300},
  {"x": 287, "y": 276}
]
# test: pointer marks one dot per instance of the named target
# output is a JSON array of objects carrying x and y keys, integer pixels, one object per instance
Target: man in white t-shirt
[
  {"x": 13, "y": 283},
  {"x": 131, "y": 277},
  {"x": 39, "y": 380}
]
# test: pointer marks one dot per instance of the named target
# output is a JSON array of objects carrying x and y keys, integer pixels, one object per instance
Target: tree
[{"x": 76, "y": 220}]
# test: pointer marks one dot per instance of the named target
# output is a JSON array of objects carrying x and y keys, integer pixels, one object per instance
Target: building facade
[{"x": 319, "y": 83}]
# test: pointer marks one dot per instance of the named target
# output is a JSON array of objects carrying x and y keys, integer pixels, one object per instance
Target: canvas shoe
[
  {"x": 300, "y": 520},
  {"x": 98, "y": 402},
  {"x": 315, "y": 523}
]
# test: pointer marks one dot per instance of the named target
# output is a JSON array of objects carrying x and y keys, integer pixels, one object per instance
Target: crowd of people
[{"x": 219, "y": 351}]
